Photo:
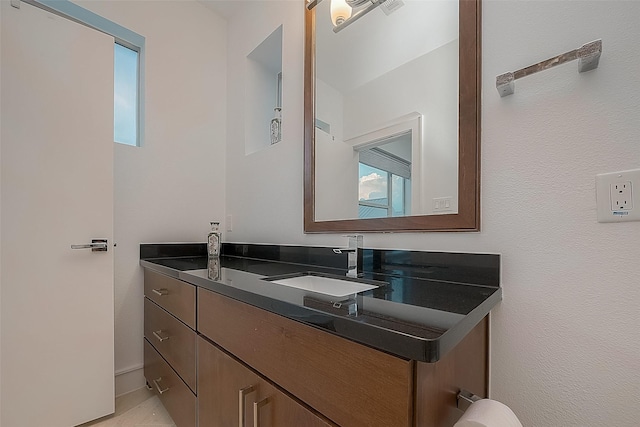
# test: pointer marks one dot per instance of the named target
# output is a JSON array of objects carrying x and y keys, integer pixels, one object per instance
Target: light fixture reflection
[{"x": 340, "y": 12}]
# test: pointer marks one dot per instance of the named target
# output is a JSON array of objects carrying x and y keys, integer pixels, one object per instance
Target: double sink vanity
[{"x": 249, "y": 338}]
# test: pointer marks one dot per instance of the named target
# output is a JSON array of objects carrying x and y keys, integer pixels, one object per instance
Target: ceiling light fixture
[
  {"x": 343, "y": 15},
  {"x": 340, "y": 12}
]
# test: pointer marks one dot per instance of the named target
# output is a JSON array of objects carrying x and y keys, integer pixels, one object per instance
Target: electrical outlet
[
  {"x": 615, "y": 196},
  {"x": 621, "y": 196}
]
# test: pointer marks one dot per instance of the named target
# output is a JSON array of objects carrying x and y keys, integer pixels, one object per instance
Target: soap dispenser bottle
[
  {"x": 276, "y": 126},
  {"x": 213, "y": 240}
]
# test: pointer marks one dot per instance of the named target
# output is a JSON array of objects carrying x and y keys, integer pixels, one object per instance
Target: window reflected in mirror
[{"x": 384, "y": 179}]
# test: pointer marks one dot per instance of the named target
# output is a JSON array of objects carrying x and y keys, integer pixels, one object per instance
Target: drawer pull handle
[
  {"x": 160, "y": 292},
  {"x": 256, "y": 410},
  {"x": 242, "y": 394},
  {"x": 160, "y": 390},
  {"x": 160, "y": 337}
]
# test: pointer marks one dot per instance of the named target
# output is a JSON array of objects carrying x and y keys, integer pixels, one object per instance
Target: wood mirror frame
[{"x": 468, "y": 216}]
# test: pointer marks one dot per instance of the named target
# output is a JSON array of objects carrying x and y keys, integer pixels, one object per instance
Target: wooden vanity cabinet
[
  {"x": 309, "y": 377},
  {"x": 170, "y": 344},
  {"x": 437, "y": 384},
  {"x": 227, "y": 389},
  {"x": 349, "y": 384}
]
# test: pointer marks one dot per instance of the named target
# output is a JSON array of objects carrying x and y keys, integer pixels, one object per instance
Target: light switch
[{"x": 442, "y": 204}]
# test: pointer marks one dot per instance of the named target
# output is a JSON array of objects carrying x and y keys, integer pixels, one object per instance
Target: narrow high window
[{"x": 126, "y": 90}]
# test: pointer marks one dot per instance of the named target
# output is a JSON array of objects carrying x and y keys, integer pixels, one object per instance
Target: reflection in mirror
[
  {"x": 363, "y": 83},
  {"x": 380, "y": 175},
  {"x": 384, "y": 178},
  {"x": 385, "y": 148}
]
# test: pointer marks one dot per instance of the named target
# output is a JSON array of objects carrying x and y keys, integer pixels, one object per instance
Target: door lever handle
[{"x": 96, "y": 245}]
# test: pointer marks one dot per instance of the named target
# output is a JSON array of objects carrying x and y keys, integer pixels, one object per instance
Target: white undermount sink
[{"x": 324, "y": 285}]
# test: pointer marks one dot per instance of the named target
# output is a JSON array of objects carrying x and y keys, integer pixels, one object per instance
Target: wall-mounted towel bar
[{"x": 588, "y": 56}]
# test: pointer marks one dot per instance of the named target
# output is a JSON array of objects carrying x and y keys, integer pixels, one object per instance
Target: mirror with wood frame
[{"x": 389, "y": 146}]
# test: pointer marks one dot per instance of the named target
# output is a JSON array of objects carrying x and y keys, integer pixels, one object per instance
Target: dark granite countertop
[{"x": 425, "y": 304}]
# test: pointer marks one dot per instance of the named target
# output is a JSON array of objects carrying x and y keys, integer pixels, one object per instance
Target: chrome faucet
[{"x": 354, "y": 255}]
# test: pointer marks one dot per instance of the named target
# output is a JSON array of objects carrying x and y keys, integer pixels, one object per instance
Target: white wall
[
  {"x": 337, "y": 186},
  {"x": 565, "y": 339},
  {"x": 425, "y": 85},
  {"x": 171, "y": 187},
  {"x": 263, "y": 65},
  {"x": 346, "y": 60},
  {"x": 265, "y": 185}
]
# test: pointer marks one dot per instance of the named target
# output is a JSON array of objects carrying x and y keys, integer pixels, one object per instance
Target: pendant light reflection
[{"x": 340, "y": 12}]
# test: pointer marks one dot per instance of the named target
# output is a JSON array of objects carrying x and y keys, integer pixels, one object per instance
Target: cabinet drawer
[
  {"x": 175, "y": 296},
  {"x": 176, "y": 397},
  {"x": 221, "y": 379},
  {"x": 173, "y": 340},
  {"x": 351, "y": 384}
]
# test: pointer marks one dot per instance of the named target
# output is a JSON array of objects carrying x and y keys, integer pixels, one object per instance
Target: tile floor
[{"x": 138, "y": 408}]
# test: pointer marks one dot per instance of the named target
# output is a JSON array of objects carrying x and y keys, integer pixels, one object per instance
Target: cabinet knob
[{"x": 242, "y": 394}]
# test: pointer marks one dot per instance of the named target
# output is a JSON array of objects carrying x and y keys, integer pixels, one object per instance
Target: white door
[{"x": 56, "y": 189}]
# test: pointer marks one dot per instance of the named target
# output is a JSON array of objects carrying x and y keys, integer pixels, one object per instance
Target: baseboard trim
[
  {"x": 129, "y": 369},
  {"x": 129, "y": 379}
]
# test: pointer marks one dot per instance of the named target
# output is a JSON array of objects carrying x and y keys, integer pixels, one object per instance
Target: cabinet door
[
  {"x": 227, "y": 391},
  {"x": 464, "y": 367},
  {"x": 220, "y": 380},
  {"x": 351, "y": 384},
  {"x": 276, "y": 409}
]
